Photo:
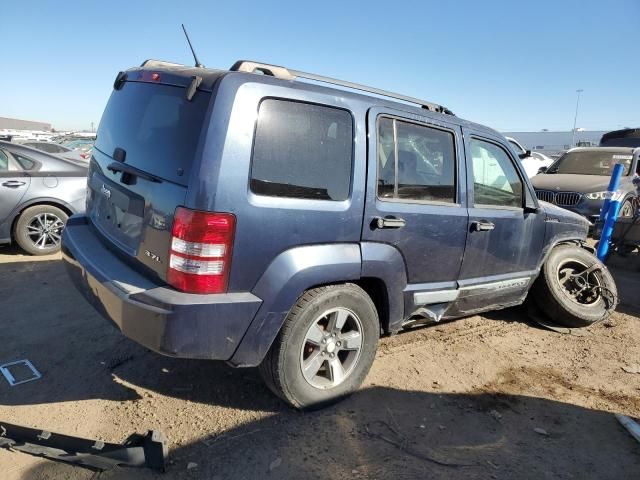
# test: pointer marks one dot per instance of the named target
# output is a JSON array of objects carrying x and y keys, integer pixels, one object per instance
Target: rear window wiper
[{"x": 133, "y": 171}]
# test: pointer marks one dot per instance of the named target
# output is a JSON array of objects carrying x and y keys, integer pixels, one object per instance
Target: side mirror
[
  {"x": 543, "y": 169},
  {"x": 524, "y": 155}
]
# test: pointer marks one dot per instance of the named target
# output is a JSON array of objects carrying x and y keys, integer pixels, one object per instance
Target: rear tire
[
  {"x": 561, "y": 293},
  {"x": 38, "y": 230},
  {"x": 325, "y": 347}
]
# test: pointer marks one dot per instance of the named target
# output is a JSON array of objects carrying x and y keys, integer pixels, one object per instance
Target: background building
[
  {"x": 551, "y": 143},
  {"x": 16, "y": 124}
]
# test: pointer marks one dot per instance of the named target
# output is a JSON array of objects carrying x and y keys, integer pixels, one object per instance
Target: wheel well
[
  {"x": 377, "y": 290},
  {"x": 62, "y": 207},
  {"x": 574, "y": 242}
]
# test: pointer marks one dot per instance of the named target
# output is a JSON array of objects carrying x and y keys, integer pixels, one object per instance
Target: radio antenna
[{"x": 198, "y": 64}]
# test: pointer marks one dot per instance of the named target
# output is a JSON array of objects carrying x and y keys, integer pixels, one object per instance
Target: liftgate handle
[
  {"x": 389, "y": 222},
  {"x": 482, "y": 226}
]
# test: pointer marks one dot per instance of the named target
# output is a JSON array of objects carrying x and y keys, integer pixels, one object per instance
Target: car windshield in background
[
  {"x": 591, "y": 163},
  {"x": 48, "y": 147},
  {"x": 83, "y": 145}
]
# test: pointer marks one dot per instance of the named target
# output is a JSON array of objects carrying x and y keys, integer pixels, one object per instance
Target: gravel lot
[{"x": 456, "y": 400}]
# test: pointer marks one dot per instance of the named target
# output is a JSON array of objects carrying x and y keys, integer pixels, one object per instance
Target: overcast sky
[{"x": 513, "y": 66}]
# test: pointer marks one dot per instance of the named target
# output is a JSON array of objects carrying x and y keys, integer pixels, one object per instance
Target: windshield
[
  {"x": 157, "y": 127},
  {"x": 591, "y": 163}
]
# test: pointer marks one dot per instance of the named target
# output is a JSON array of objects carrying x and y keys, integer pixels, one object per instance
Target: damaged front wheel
[{"x": 575, "y": 289}]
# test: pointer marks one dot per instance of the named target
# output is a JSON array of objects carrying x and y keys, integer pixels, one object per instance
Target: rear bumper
[{"x": 160, "y": 318}]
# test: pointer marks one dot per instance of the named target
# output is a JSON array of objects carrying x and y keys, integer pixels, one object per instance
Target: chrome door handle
[
  {"x": 482, "y": 226},
  {"x": 389, "y": 222},
  {"x": 13, "y": 184}
]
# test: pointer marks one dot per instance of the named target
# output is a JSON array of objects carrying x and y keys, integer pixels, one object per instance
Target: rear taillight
[{"x": 200, "y": 254}]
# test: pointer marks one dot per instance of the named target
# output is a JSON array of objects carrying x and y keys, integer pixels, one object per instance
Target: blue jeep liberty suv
[{"x": 266, "y": 216}]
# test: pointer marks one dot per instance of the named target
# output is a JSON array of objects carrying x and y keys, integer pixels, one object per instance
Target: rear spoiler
[{"x": 191, "y": 83}]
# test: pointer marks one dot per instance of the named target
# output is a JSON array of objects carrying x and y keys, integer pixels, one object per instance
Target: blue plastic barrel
[{"x": 609, "y": 212}]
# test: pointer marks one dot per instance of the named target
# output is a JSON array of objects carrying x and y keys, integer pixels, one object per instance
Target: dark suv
[{"x": 252, "y": 217}]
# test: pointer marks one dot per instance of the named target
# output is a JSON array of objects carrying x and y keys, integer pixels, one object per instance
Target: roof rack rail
[
  {"x": 160, "y": 63},
  {"x": 250, "y": 66}
]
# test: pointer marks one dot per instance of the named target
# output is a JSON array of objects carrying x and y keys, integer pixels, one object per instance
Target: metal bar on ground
[{"x": 631, "y": 425}]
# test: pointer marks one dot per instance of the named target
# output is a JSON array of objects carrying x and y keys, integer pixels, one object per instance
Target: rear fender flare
[
  {"x": 385, "y": 262},
  {"x": 288, "y": 276}
]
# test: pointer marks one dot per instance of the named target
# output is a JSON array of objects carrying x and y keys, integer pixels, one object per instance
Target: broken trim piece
[
  {"x": 137, "y": 450},
  {"x": 437, "y": 296},
  {"x": 631, "y": 425}
]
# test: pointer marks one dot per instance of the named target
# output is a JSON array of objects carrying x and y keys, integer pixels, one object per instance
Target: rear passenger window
[
  {"x": 25, "y": 162},
  {"x": 425, "y": 166},
  {"x": 302, "y": 151}
]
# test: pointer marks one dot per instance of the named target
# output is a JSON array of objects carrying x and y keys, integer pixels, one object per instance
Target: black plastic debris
[{"x": 137, "y": 450}]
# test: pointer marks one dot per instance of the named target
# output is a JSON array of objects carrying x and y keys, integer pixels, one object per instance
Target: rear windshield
[
  {"x": 156, "y": 126},
  {"x": 591, "y": 163}
]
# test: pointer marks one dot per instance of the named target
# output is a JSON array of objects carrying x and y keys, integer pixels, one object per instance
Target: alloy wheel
[
  {"x": 331, "y": 348},
  {"x": 45, "y": 231}
]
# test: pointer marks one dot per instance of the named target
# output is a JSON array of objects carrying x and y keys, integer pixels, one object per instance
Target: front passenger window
[{"x": 495, "y": 179}]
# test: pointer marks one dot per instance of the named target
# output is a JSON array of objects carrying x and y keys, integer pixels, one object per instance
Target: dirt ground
[{"x": 486, "y": 397}]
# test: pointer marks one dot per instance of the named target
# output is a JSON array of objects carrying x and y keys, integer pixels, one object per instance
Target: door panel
[
  {"x": 414, "y": 197},
  {"x": 14, "y": 183},
  {"x": 513, "y": 245},
  {"x": 504, "y": 242}
]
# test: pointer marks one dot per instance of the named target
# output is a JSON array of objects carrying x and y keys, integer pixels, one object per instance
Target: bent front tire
[
  {"x": 325, "y": 347},
  {"x": 574, "y": 288}
]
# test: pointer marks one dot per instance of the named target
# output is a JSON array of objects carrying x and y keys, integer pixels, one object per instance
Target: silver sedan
[{"x": 38, "y": 192}]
